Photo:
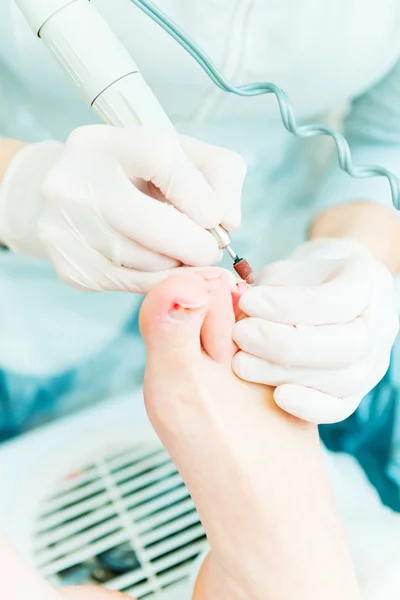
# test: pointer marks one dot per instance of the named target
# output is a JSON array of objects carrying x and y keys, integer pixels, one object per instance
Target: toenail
[
  {"x": 212, "y": 276},
  {"x": 180, "y": 310},
  {"x": 179, "y": 304},
  {"x": 213, "y": 282}
]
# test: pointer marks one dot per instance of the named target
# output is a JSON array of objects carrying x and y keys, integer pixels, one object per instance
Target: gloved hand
[
  {"x": 320, "y": 328},
  {"x": 91, "y": 206}
]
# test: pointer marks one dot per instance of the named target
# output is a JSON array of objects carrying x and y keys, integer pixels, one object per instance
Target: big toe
[
  {"x": 180, "y": 324},
  {"x": 186, "y": 315},
  {"x": 171, "y": 318}
]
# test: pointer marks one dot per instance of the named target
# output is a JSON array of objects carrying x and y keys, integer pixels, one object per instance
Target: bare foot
[
  {"x": 186, "y": 322},
  {"x": 216, "y": 427}
]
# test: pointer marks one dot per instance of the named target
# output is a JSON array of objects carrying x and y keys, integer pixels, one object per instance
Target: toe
[
  {"x": 216, "y": 333},
  {"x": 171, "y": 318},
  {"x": 187, "y": 315}
]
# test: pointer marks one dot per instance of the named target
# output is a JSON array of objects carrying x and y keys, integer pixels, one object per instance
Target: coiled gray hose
[{"x": 285, "y": 108}]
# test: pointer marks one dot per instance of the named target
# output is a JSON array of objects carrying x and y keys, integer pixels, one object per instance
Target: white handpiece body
[{"x": 100, "y": 67}]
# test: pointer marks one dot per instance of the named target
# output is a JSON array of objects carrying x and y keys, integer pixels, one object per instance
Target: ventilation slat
[
  {"x": 134, "y": 471},
  {"x": 79, "y": 495},
  {"x": 126, "y": 581},
  {"x": 88, "y": 537},
  {"x": 65, "y": 531},
  {"x": 89, "y": 471},
  {"x": 177, "y": 591},
  {"x": 150, "y": 479},
  {"x": 74, "y": 519},
  {"x": 172, "y": 497},
  {"x": 175, "y": 542},
  {"x": 168, "y": 514},
  {"x": 147, "y": 510},
  {"x": 152, "y": 506},
  {"x": 179, "y": 574},
  {"x": 75, "y": 498},
  {"x": 139, "y": 453},
  {"x": 133, "y": 498},
  {"x": 78, "y": 541},
  {"x": 84, "y": 554},
  {"x": 72, "y": 481},
  {"x": 170, "y": 528}
]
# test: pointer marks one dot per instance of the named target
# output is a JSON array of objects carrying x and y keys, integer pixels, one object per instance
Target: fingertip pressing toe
[
  {"x": 312, "y": 405},
  {"x": 237, "y": 365},
  {"x": 241, "y": 366}
]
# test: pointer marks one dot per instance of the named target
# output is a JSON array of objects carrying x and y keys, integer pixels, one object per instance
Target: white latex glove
[
  {"x": 321, "y": 327},
  {"x": 92, "y": 206}
]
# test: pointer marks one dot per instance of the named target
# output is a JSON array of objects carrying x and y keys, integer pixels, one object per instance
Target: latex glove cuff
[{"x": 20, "y": 197}]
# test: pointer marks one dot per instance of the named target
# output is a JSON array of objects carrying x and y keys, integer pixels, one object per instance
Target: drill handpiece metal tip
[
  {"x": 231, "y": 253},
  {"x": 240, "y": 265}
]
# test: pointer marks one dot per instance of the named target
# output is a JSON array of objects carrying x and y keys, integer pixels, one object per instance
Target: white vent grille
[{"x": 125, "y": 521}]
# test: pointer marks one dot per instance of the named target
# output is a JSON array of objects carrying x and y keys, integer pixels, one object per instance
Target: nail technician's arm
[
  {"x": 8, "y": 149},
  {"x": 373, "y": 224}
]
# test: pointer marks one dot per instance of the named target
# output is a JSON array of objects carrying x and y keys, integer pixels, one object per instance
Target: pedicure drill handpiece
[
  {"x": 241, "y": 266},
  {"x": 106, "y": 76}
]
